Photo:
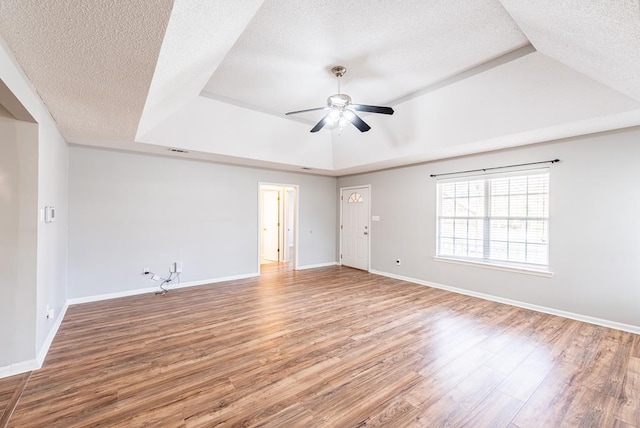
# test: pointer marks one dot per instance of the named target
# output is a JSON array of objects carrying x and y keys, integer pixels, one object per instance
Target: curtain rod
[{"x": 495, "y": 167}]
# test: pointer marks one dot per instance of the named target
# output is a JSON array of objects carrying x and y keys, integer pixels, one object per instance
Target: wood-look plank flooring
[
  {"x": 330, "y": 347},
  {"x": 10, "y": 390}
]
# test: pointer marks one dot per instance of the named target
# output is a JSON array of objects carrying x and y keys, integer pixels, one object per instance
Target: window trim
[
  {"x": 526, "y": 268},
  {"x": 511, "y": 267}
]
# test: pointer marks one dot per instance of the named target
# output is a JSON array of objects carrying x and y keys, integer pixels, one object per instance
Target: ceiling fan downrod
[{"x": 339, "y": 71}]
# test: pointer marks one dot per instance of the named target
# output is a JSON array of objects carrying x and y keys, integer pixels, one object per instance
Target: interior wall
[
  {"x": 18, "y": 239},
  {"x": 130, "y": 211},
  {"x": 594, "y": 228},
  {"x": 53, "y": 190},
  {"x": 48, "y": 158}
]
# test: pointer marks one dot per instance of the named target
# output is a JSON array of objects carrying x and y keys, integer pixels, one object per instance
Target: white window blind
[{"x": 499, "y": 219}]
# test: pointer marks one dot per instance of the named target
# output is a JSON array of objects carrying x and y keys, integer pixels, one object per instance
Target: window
[
  {"x": 498, "y": 219},
  {"x": 355, "y": 198}
]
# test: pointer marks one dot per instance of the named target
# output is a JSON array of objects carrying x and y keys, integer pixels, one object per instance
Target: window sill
[{"x": 522, "y": 270}]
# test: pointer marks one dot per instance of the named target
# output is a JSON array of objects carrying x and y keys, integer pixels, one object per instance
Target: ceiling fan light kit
[{"x": 342, "y": 110}]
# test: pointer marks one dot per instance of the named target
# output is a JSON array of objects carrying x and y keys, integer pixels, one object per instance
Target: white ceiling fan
[{"x": 341, "y": 111}]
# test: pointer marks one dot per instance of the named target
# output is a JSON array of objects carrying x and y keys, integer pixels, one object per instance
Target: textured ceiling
[
  {"x": 282, "y": 61},
  {"x": 598, "y": 38},
  {"x": 90, "y": 61},
  {"x": 215, "y": 77},
  {"x": 199, "y": 35}
]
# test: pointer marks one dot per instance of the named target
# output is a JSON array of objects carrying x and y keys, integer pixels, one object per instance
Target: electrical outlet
[
  {"x": 178, "y": 265},
  {"x": 49, "y": 214},
  {"x": 146, "y": 271},
  {"x": 172, "y": 268},
  {"x": 398, "y": 262},
  {"x": 50, "y": 312}
]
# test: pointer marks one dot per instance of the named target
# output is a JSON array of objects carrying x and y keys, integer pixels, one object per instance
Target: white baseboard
[
  {"x": 317, "y": 265},
  {"x": 52, "y": 334},
  {"x": 552, "y": 311},
  {"x": 17, "y": 368},
  {"x": 34, "y": 364},
  {"x": 107, "y": 296},
  {"x": 214, "y": 280}
]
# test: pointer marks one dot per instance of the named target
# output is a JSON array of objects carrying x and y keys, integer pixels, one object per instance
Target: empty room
[{"x": 320, "y": 214}]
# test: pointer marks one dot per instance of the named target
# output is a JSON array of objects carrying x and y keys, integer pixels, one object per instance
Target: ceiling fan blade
[
  {"x": 372, "y": 109},
  {"x": 359, "y": 123},
  {"x": 320, "y": 124},
  {"x": 304, "y": 111}
]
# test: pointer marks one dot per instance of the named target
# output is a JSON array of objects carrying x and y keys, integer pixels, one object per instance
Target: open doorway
[{"x": 277, "y": 237}]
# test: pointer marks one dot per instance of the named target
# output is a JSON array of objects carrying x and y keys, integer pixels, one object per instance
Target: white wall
[
  {"x": 594, "y": 227},
  {"x": 130, "y": 211},
  {"x": 18, "y": 239},
  {"x": 47, "y": 157},
  {"x": 53, "y": 190}
]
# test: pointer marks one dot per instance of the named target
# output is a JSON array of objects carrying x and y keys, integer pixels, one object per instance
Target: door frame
[
  {"x": 368, "y": 186},
  {"x": 296, "y": 197}
]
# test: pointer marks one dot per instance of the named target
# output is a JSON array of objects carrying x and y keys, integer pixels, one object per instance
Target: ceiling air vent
[{"x": 173, "y": 149}]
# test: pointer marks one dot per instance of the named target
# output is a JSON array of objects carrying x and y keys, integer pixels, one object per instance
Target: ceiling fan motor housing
[{"x": 340, "y": 101}]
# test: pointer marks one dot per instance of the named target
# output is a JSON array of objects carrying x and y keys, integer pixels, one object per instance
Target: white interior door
[
  {"x": 270, "y": 225},
  {"x": 355, "y": 227}
]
